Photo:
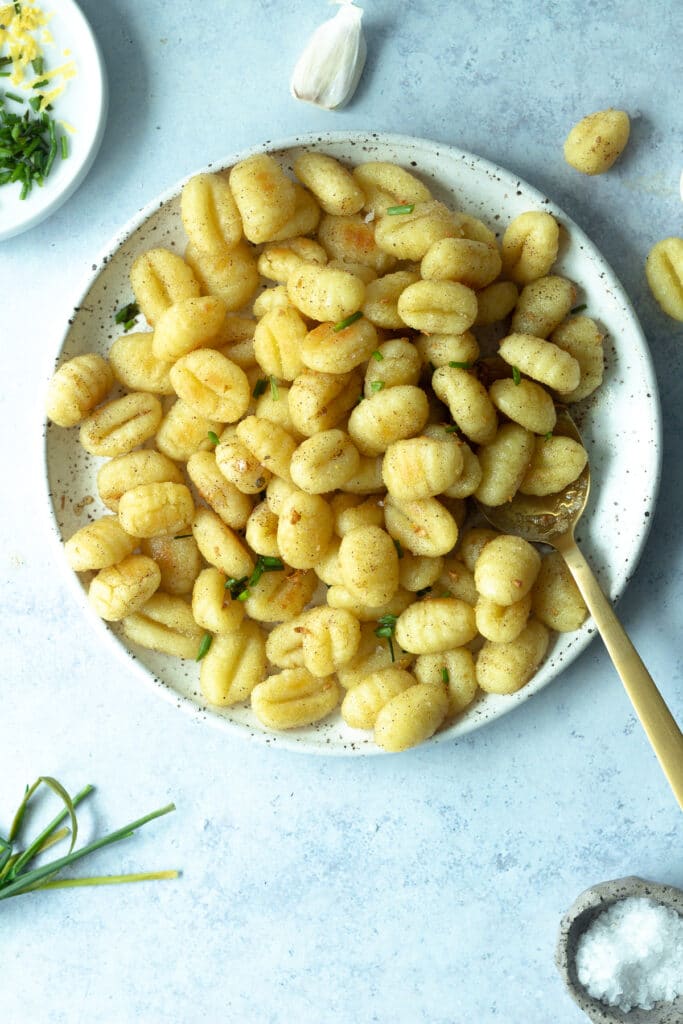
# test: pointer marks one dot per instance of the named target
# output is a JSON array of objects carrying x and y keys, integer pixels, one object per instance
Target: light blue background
[{"x": 425, "y": 888}]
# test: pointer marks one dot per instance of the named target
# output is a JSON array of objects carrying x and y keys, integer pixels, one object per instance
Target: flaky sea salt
[{"x": 632, "y": 955}]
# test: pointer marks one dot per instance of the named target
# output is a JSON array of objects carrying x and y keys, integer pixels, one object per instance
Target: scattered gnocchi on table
[{"x": 292, "y": 442}]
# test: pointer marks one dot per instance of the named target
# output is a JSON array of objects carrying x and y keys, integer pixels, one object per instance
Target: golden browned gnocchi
[
  {"x": 315, "y": 402},
  {"x": 664, "y": 271},
  {"x": 597, "y": 141},
  {"x": 77, "y": 387},
  {"x": 122, "y": 589}
]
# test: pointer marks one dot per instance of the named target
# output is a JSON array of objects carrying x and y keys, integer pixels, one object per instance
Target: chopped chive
[
  {"x": 128, "y": 325},
  {"x": 385, "y": 629},
  {"x": 548, "y": 435},
  {"x": 38, "y": 65},
  {"x": 244, "y": 595},
  {"x": 5, "y": 74},
  {"x": 376, "y": 385},
  {"x": 460, "y": 366},
  {"x": 578, "y": 309},
  {"x": 41, "y": 84},
  {"x": 360, "y": 399},
  {"x": 17, "y": 7},
  {"x": 516, "y": 375},
  {"x": 406, "y": 208},
  {"x": 347, "y": 321},
  {"x": 13, "y": 96},
  {"x": 452, "y": 429},
  {"x": 271, "y": 563},
  {"x": 65, "y": 147},
  {"x": 127, "y": 313},
  {"x": 259, "y": 387},
  {"x": 213, "y": 438},
  {"x": 378, "y": 356},
  {"x": 204, "y": 645},
  {"x": 274, "y": 389},
  {"x": 34, "y": 102},
  {"x": 264, "y": 563},
  {"x": 399, "y": 549},
  {"x": 444, "y": 675},
  {"x": 5, "y": 60},
  {"x": 235, "y": 585}
]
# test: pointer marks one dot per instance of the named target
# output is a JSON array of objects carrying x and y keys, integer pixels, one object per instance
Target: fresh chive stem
[
  {"x": 144, "y": 876},
  {"x": 204, "y": 646},
  {"x": 38, "y": 876},
  {"x": 404, "y": 208},
  {"x": 347, "y": 321}
]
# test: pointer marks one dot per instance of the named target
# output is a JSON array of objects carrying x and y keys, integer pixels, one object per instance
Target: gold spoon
[{"x": 551, "y": 520}]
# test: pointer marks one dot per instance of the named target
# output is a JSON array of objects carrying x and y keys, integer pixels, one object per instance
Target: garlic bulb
[{"x": 329, "y": 69}]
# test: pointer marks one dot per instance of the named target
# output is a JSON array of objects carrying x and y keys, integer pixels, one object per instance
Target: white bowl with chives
[{"x": 72, "y": 127}]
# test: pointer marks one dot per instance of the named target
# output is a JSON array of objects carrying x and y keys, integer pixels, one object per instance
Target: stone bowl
[{"x": 577, "y": 919}]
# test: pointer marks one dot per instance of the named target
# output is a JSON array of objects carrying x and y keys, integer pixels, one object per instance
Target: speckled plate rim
[{"x": 321, "y": 739}]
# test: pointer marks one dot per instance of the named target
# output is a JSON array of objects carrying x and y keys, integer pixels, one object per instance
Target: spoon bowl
[
  {"x": 545, "y": 519},
  {"x": 551, "y": 519}
]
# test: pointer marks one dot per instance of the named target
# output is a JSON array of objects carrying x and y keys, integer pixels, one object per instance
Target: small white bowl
[
  {"x": 579, "y": 917},
  {"x": 83, "y": 104}
]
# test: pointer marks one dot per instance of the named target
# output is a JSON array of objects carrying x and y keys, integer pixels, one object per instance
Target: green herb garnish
[
  {"x": 452, "y": 429},
  {"x": 38, "y": 65},
  {"x": 399, "y": 549},
  {"x": 578, "y": 309},
  {"x": 4, "y": 61},
  {"x": 406, "y": 208},
  {"x": 445, "y": 676},
  {"x": 548, "y": 435},
  {"x": 461, "y": 366},
  {"x": 127, "y": 313},
  {"x": 376, "y": 385},
  {"x": 259, "y": 387},
  {"x": 347, "y": 321},
  {"x": 28, "y": 145},
  {"x": 16, "y": 875},
  {"x": 264, "y": 563},
  {"x": 40, "y": 85},
  {"x": 385, "y": 629},
  {"x": 213, "y": 438},
  {"x": 516, "y": 375},
  {"x": 274, "y": 389},
  {"x": 64, "y": 147},
  {"x": 239, "y": 588},
  {"x": 378, "y": 356},
  {"x": 236, "y": 585},
  {"x": 204, "y": 645}
]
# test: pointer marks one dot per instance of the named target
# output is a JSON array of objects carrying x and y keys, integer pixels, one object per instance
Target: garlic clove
[{"x": 329, "y": 69}]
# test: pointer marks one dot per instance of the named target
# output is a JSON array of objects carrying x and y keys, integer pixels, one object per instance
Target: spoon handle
[{"x": 659, "y": 724}]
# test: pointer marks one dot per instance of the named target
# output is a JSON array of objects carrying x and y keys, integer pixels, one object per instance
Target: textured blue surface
[{"x": 424, "y": 888}]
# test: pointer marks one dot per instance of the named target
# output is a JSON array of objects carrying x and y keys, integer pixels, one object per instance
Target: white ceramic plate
[
  {"x": 621, "y": 423},
  {"x": 83, "y": 105}
]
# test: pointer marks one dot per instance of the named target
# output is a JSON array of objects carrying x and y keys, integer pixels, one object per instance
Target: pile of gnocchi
[{"x": 337, "y": 364}]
